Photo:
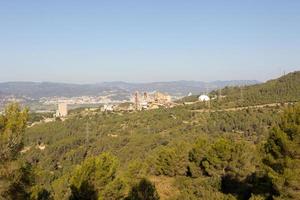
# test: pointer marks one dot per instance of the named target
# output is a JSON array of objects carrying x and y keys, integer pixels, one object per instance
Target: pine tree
[
  {"x": 15, "y": 177},
  {"x": 283, "y": 154}
]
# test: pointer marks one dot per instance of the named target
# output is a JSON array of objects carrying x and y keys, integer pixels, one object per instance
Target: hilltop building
[
  {"x": 203, "y": 97},
  {"x": 161, "y": 98},
  {"x": 108, "y": 108},
  {"x": 62, "y": 110},
  {"x": 143, "y": 101}
]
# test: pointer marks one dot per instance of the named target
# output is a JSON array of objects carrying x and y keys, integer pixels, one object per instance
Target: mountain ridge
[{"x": 176, "y": 88}]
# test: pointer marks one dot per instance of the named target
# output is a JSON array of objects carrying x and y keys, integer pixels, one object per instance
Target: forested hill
[
  {"x": 186, "y": 155},
  {"x": 283, "y": 89},
  {"x": 163, "y": 154}
]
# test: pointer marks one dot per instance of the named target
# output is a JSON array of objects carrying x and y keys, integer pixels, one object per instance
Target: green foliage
[
  {"x": 40, "y": 193},
  {"x": 60, "y": 188},
  {"x": 230, "y": 161},
  {"x": 15, "y": 176},
  {"x": 12, "y": 127},
  {"x": 198, "y": 155},
  {"x": 85, "y": 191},
  {"x": 144, "y": 190},
  {"x": 192, "y": 98},
  {"x": 171, "y": 161},
  {"x": 92, "y": 177},
  {"x": 115, "y": 190},
  {"x": 136, "y": 170},
  {"x": 283, "y": 154},
  {"x": 284, "y": 89},
  {"x": 19, "y": 182},
  {"x": 201, "y": 189},
  {"x": 224, "y": 157},
  {"x": 37, "y": 117}
]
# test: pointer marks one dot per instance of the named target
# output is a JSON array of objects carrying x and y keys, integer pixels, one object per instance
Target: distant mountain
[
  {"x": 48, "y": 89},
  {"x": 221, "y": 84},
  {"x": 178, "y": 88}
]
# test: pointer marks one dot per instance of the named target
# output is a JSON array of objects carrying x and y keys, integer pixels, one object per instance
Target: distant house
[
  {"x": 144, "y": 104},
  {"x": 62, "y": 110},
  {"x": 203, "y": 98},
  {"x": 161, "y": 98},
  {"x": 107, "y": 107}
]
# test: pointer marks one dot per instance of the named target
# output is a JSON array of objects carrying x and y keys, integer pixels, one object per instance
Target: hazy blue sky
[{"x": 148, "y": 40}]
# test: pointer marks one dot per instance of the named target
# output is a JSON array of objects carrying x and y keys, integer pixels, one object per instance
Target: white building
[
  {"x": 107, "y": 107},
  {"x": 203, "y": 98},
  {"x": 144, "y": 104},
  {"x": 62, "y": 110}
]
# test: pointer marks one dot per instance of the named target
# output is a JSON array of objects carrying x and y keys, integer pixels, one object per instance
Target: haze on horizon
[{"x": 146, "y": 41}]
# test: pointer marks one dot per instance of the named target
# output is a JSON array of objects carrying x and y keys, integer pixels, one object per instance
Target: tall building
[
  {"x": 146, "y": 100},
  {"x": 62, "y": 110}
]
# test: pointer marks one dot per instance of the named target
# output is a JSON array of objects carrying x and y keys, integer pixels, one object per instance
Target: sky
[{"x": 93, "y": 41}]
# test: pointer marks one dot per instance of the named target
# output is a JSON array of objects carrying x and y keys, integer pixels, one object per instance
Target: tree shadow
[
  {"x": 253, "y": 184},
  {"x": 144, "y": 190},
  {"x": 85, "y": 192},
  {"x": 231, "y": 185},
  {"x": 262, "y": 185}
]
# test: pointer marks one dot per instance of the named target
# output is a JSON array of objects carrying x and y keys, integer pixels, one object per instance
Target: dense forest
[{"x": 169, "y": 154}]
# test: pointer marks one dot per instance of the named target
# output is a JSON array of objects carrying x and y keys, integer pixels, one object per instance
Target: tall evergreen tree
[
  {"x": 283, "y": 154},
  {"x": 15, "y": 178}
]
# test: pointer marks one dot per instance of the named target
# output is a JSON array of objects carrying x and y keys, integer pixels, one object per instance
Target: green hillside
[
  {"x": 165, "y": 146},
  {"x": 168, "y": 154},
  {"x": 283, "y": 89}
]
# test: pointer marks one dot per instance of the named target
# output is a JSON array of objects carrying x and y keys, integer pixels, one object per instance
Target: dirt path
[{"x": 240, "y": 108}]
